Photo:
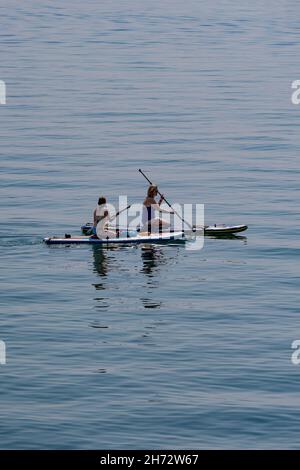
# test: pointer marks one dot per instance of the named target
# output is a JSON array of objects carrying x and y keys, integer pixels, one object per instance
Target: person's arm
[
  {"x": 166, "y": 211},
  {"x": 105, "y": 214},
  {"x": 161, "y": 199},
  {"x": 101, "y": 217},
  {"x": 160, "y": 209}
]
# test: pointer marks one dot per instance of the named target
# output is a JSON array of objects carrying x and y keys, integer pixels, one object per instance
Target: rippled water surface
[{"x": 149, "y": 347}]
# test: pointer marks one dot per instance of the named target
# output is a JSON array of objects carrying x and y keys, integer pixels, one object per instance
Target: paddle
[
  {"x": 118, "y": 213},
  {"x": 178, "y": 215}
]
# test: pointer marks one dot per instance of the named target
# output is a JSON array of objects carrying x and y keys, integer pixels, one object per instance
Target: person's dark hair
[{"x": 101, "y": 200}]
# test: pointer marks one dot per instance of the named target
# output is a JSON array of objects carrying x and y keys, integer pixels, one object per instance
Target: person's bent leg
[{"x": 159, "y": 225}]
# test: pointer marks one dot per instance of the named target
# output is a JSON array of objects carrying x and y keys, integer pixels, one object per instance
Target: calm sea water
[{"x": 162, "y": 347}]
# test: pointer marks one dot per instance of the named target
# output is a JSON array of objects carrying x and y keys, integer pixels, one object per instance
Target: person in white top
[{"x": 101, "y": 219}]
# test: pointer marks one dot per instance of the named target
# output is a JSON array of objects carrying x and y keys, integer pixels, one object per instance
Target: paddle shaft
[
  {"x": 178, "y": 215},
  {"x": 118, "y": 213}
]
